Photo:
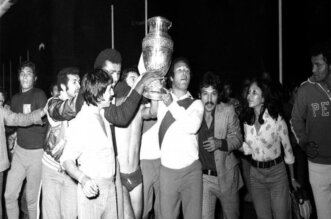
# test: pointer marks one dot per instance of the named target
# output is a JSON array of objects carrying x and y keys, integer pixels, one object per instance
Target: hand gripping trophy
[{"x": 157, "y": 49}]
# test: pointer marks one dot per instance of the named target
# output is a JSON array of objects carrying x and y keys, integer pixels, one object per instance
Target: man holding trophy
[{"x": 179, "y": 117}]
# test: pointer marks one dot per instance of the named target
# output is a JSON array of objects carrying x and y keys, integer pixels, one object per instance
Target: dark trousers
[{"x": 181, "y": 186}]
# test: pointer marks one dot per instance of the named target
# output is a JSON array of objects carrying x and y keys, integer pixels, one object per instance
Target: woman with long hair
[{"x": 265, "y": 132}]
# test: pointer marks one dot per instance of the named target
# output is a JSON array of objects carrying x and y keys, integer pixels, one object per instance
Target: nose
[
  {"x": 209, "y": 98},
  {"x": 314, "y": 70}
]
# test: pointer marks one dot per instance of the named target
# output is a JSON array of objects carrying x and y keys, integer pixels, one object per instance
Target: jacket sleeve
[
  {"x": 20, "y": 119},
  {"x": 62, "y": 110},
  {"x": 233, "y": 137},
  {"x": 299, "y": 116},
  {"x": 122, "y": 115}
]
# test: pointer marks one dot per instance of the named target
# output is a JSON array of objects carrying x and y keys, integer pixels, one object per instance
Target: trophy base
[{"x": 154, "y": 95}]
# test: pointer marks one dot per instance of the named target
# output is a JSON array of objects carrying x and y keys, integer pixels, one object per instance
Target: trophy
[{"x": 157, "y": 49}]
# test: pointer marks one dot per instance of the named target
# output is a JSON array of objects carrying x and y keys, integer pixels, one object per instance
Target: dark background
[{"x": 235, "y": 38}]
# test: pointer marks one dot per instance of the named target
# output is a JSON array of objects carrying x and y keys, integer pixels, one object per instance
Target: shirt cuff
[{"x": 224, "y": 145}]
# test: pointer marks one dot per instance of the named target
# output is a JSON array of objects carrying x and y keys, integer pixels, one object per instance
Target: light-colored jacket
[
  {"x": 227, "y": 127},
  {"x": 10, "y": 118}
]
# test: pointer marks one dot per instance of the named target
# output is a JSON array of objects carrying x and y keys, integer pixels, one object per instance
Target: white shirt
[
  {"x": 179, "y": 148},
  {"x": 264, "y": 145},
  {"x": 90, "y": 142},
  {"x": 150, "y": 148}
]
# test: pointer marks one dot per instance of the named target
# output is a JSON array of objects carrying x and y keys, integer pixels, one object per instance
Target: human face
[
  {"x": 182, "y": 76},
  {"x": 254, "y": 98},
  {"x": 131, "y": 78},
  {"x": 55, "y": 91},
  {"x": 73, "y": 85},
  {"x": 227, "y": 90},
  {"x": 113, "y": 70},
  {"x": 26, "y": 78},
  {"x": 320, "y": 69},
  {"x": 209, "y": 96},
  {"x": 107, "y": 96},
  {"x": 2, "y": 99}
]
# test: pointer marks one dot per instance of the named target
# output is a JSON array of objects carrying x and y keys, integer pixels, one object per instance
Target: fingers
[{"x": 90, "y": 189}]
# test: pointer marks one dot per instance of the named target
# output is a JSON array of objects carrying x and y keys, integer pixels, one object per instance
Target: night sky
[{"x": 235, "y": 38}]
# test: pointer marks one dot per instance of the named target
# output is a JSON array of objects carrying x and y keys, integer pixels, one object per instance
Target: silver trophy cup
[{"x": 157, "y": 49}]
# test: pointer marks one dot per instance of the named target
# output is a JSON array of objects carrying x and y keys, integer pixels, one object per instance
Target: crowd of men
[{"x": 105, "y": 151}]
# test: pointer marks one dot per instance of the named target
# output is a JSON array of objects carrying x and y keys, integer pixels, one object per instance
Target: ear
[{"x": 63, "y": 87}]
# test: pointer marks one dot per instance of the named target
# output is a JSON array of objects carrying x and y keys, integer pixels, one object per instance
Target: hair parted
[{"x": 272, "y": 103}]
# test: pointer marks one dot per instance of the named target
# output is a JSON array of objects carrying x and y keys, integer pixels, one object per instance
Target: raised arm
[{"x": 20, "y": 119}]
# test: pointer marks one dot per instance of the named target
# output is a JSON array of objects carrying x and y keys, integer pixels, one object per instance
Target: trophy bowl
[{"x": 157, "y": 49}]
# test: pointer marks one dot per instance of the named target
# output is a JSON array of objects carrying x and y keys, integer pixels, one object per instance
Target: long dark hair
[{"x": 272, "y": 102}]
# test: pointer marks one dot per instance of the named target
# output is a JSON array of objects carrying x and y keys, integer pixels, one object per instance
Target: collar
[
  {"x": 187, "y": 95},
  {"x": 91, "y": 108}
]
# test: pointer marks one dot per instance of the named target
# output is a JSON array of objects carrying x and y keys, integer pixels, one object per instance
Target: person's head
[
  {"x": 3, "y": 96},
  {"x": 68, "y": 81},
  {"x": 180, "y": 74},
  {"x": 54, "y": 90},
  {"x": 27, "y": 75},
  {"x": 130, "y": 75},
  {"x": 209, "y": 90},
  {"x": 244, "y": 88},
  {"x": 260, "y": 97},
  {"x": 97, "y": 88},
  {"x": 321, "y": 62},
  {"x": 109, "y": 60},
  {"x": 266, "y": 76}
]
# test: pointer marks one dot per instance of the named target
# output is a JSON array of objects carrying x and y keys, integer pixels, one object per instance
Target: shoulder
[
  {"x": 15, "y": 97},
  {"x": 225, "y": 107},
  {"x": 306, "y": 85},
  {"x": 39, "y": 92},
  {"x": 197, "y": 103}
]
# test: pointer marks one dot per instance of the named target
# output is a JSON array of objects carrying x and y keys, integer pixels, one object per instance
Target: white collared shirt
[
  {"x": 264, "y": 145},
  {"x": 179, "y": 148},
  {"x": 90, "y": 143}
]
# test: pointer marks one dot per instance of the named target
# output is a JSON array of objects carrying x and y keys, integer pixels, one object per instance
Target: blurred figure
[
  {"x": 54, "y": 90},
  {"x": 3, "y": 99},
  {"x": 227, "y": 97}
]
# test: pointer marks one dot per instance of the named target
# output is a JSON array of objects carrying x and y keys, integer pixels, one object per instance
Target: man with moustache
[
  {"x": 311, "y": 122},
  {"x": 179, "y": 118},
  {"x": 59, "y": 190},
  {"x": 219, "y": 135}
]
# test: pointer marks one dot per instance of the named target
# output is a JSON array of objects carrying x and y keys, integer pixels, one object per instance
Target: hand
[
  {"x": 295, "y": 184},
  {"x": 167, "y": 98},
  {"x": 90, "y": 188},
  {"x": 146, "y": 79},
  {"x": 311, "y": 149},
  {"x": 212, "y": 144}
]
